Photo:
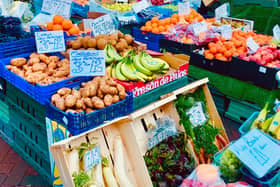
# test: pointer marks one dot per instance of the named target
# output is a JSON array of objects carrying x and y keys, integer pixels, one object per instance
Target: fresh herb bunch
[
  {"x": 170, "y": 162},
  {"x": 81, "y": 180}
]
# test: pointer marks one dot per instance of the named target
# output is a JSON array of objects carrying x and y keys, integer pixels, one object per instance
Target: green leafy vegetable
[{"x": 81, "y": 180}]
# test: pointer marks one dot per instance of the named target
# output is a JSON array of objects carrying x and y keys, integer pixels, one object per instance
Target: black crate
[{"x": 176, "y": 47}]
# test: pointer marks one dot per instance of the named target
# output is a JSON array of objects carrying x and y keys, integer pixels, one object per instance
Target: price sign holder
[
  {"x": 184, "y": 8},
  {"x": 252, "y": 45},
  {"x": 50, "y": 41},
  {"x": 257, "y": 152},
  {"x": 137, "y": 7},
  {"x": 103, "y": 25},
  {"x": 87, "y": 63},
  {"x": 222, "y": 11},
  {"x": 276, "y": 32},
  {"x": 57, "y": 7}
]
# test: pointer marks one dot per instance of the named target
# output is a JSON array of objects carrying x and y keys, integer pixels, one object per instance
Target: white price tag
[
  {"x": 57, "y": 7},
  {"x": 160, "y": 136},
  {"x": 103, "y": 25},
  {"x": 92, "y": 158},
  {"x": 50, "y": 41},
  {"x": 226, "y": 32},
  {"x": 252, "y": 45},
  {"x": 256, "y": 151},
  {"x": 184, "y": 8},
  {"x": 276, "y": 32},
  {"x": 196, "y": 115},
  {"x": 199, "y": 27},
  {"x": 87, "y": 63},
  {"x": 222, "y": 11},
  {"x": 262, "y": 69},
  {"x": 137, "y": 7},
  {"x": 6, "y": 4}
]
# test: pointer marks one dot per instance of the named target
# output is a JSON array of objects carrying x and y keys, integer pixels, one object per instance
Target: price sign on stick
[
  {"x": 222, "y": 11},
  {"x": 137, "y": 7},
  {"x": 184, "y": 8},
  {"x": 50, "y": 41},
  {"x": 103, "y": 25},
  {"x": 252, "y": 45},
  {"x": 59, "y": 7},
  {"x": 276, "y": 32},
  {"x": 87, "y": 63},
  {"x": 92, "y": 158},
  {"x": 258, "y": 152},
  {"x": 226, "y": 32}
]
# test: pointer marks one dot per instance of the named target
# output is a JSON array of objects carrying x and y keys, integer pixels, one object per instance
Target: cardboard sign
[
  {"x": 226, "y": 32},
  {"x": 252, "y": 45},
  {"x": 184, "y": 8},
  {"x": 87, "y": 63},
  {"x": 57, "y": 7},
  {"x": 103, "y": 25},
  {"x": 276, "y": 32},
  {"x": 50, "y": 41},
  {"x": 92, "y": 158},
  {"x": 137, "y": 7},
  {"x": 258, "y": 152},
  {"x": 222, "y": 11}
]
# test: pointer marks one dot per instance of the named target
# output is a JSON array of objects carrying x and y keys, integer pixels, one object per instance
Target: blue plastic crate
[
  {"x": 40, "y": 93},
  {"x": 245, "y": 127},
  {"x": 79, "y": 10},
  {"x": 14, "y": 48},
  {"x": 152, "y": 40},
  {"x": 78, "y": 123}
]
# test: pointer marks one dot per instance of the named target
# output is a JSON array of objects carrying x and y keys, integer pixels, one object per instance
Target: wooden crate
[{"x": 133, "y": 131}]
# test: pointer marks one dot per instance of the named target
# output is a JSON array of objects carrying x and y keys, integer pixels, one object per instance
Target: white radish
[{"x": 109, "y": 177}]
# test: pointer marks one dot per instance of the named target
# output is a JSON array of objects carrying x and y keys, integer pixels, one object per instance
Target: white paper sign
[
  {"x": 50, "y": 41},
  {"x": 276, "y": 32},
  {"x": 57, "y": 7},
  {"x": 226, "y": 32},
  {"x": 137, "y": 7},
  {"x": 92, "y": 158},
  {"x": 184, "y": 8},
  {"x": 222, "y": 11},
  {"x": 199, "y": 27},
  {"x": 87, "y": 63},
  {"x": 196, "y": 115},
  {"x": 252, "y": 45},
  {"x": 103, "y": 25},
  {"x": 256, "y": 151}
]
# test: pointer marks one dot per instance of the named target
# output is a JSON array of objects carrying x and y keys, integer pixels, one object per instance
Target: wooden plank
[{"x": 190, "y": 87}]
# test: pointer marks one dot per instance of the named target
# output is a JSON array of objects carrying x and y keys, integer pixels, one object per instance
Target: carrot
[
  {"x": 222, "y": 140},
  {"x": 209, "y": 160},
  {"x": 217, "y": 143},
  {"x": 196, "y": 158},
  {"x": 201, "y": 156}
]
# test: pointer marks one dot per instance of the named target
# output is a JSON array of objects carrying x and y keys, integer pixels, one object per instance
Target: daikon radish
[{"x": 108, "y": 174}]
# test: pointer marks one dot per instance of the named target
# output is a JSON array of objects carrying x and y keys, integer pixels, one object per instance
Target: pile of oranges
[
  {"x": 60, "y": 24},
  {"x": 162, "y": 25},
  {"x": 225, "y": 50}
]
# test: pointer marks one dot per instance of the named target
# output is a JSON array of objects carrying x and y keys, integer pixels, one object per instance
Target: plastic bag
[{"x": 197, "y": 115}]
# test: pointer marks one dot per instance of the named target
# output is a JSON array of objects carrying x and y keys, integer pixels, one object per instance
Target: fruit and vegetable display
[
  {"x": 93, "y": 95},
  {"x": 205, "y": 138},
  {"x": 40, "y": 68},
  {"x": 267, "y": 55},
  {"x": 120, "y": 7},
  {"x": 235, "y": 24},
  {"x": 60, "y": 24},
  {"x": 136, "y": 67},
  {"x": 224, "y": 50},
  {"x": 169, "y": 162}
]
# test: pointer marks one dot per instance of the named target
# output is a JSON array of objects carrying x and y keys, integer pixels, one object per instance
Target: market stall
[{"x": 133, "y": 93}]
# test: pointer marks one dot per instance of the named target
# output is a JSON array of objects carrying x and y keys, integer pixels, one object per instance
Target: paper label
[
  {"x": 92, "y": 158},
  {"x": 87, "y": 23},
  {"x": 256, "y": 151},
  {"x": 87, "y": 63},
  {"x": 196, "y": 115},
  {"x": 226, "y": 32},
  {"x": 262, "y": 69},
  {"x": 57, "y": 7},
  {"x": 50, "y": 41},
  {"x": 222, "y": 11},
  {"x": 252, "y": 45},
  {"x": 184, "y": 8},
  {"x": 137, "y": 7},
  {"x": 199, "y": 27},
  {"x": 103, "y": 25},
  {"x": 276, "y": 32}
]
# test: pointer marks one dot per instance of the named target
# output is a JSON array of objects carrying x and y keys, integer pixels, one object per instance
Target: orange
[
  {"x": 148, "y": 23},
  {"x": 168, "y": 20},
  {"x": 213, "y": 50},
  {"x": 167, "y": 27},
  {"x": 74, "y": 30},
  {"x": 161, "y": 28},
  {"x": 50, "y": 26},
  {"x": 57, "y": 27},
  {"x": 149, "y": 28},
  {"x": 155, "y": 30},
  {"x": 154, "y": 25},
  {"x": 175, "y": 16},
  {"x": 67, "y": 24},
  {"x": 143, "y": 28},
  {"x": 57, "y": 19},
  {"x": 173, "y": 20},
  {"x": 228, "y": 54},
  {"x": 209, "y": 56},
  {"x": 154, "y": 19},
  {"x": 161, "y": 22}
]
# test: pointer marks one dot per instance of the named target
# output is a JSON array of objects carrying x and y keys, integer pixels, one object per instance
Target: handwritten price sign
[
  {"x": 87, "y": 63},
  {"x": 92, "y": 158},
  {"x": 103, "y": 25},
  {"x": 50, "y": 41},
  {"x": 59, "y": 7}
]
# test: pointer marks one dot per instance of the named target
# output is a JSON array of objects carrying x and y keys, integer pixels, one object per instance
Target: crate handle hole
[
  {"x": 33, "y": 112},
  {"x": 17, "y": 101},
  {"x": 29, "y": 152},
  {"x": 36, "y": 158},
  {"x": 14, "y": 135},
  {"x": 28, "y": 109},
  {"x": 25, "y": 148},
  {"x": 36, "y": 139},
  {"x": 22, "y": 103},
  {"x": 144, "y": 124},
  {"x": 41, "y": 163},
  {"x": 155, "y": 116},
  {"x": 20, "y": 126},
  {"x": 25, "y": 130},
  {"x": 31, "y": 135}
]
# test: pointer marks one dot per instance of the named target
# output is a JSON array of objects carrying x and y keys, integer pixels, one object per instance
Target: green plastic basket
[{"x": 155, "y": 94}]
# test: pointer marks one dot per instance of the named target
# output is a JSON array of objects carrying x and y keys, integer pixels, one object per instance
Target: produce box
[
  {"x": 246, "y": 25},
  {"x": 176, "y": 47},
  {"x": 132, "y": 130},
  {"x": 40, "y": 93},
  {"x": 213, "y": 65}
]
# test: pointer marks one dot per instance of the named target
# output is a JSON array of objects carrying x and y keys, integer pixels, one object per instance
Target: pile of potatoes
[
  {"x": 93, "y": 95},
  {"x": 121, "y": 42},
  {"x": 40, "y": 68}
]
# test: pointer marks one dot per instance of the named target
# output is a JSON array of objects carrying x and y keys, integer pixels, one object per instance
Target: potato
[
  {"x": 120, "y": 88},
  {"x": 52, "y": 65},
  {"x": 39, "y": 67},
  {"x": 91, "y": 43},
  {"x": 64, "y": 91},
  {"x": 101, "y": 43},
  {"x": 120, "y": 34},
  {"x": 128, "y": 38},
  {"x": 34, "y": 55},
  {"x": 89, "y": 110},
  {"x": 79, "y": 111},
  {"x": 18, "y": 62},
  {"x": 122, "y": 95},
  {"x": 108, "y": 100},
  {"x": 70, "y": 101},
  {"x": 114, "y": 36},
  {"x": 79, "y": 104},
  {"x": 97, "y": 102},
  {"x": 84, "y": 92},
  {"x": 55, "y": 97},
  {"x": 116, "y": 98},
  {"x": 88, "y": 102},
  {"x": 59, "y": 103},
  {"x": 33, "y": 61},
  {"x": 43, "y": 58},
  {"x": 76, "y": 45},
  {"x": 60, "y": 73},
  {"x": 53, "y": 59},
  {"x": 111, "y": 82},
  {"x": 106, "y": 89},
  {"x": 100, "y": 94},
  {"x": 76, "y": 93}
]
